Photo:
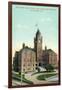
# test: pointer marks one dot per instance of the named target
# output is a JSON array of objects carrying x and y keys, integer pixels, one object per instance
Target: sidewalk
[{"x": 36, "y": 81}]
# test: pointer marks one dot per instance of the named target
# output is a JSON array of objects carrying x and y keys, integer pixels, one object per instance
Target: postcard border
[{"x": 10, "y": 3}]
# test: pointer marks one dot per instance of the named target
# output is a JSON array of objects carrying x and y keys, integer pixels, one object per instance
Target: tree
[
  {"x": 38, "y": 69},
  {"x": 49, "y": 67}
]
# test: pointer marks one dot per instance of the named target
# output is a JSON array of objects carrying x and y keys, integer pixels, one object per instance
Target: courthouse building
[{"x": 27, "y": 59}]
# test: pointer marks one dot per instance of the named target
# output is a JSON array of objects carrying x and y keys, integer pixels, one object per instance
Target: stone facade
[
  {"x": 50, "y": 57},
  {"x": 27, "y": 59}
]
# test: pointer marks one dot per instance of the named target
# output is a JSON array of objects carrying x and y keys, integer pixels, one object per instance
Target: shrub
[{"x": 49, "y": 67}]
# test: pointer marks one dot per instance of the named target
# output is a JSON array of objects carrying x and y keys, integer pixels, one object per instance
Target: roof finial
[{"x": 37, "y": 27}]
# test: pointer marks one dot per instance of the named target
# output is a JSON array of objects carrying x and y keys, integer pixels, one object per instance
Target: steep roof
[
  {"x": 48, "y": 51},
  {"x": 27, "y": 48},
  {"x": 38, "y": 32}
]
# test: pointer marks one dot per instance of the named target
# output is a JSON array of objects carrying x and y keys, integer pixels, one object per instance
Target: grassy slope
[
  {"x": 18, "y": 78},
  {"x": 42, "y": 77}
]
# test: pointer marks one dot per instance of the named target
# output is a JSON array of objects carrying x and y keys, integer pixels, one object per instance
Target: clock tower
[{"x": 38, "y": 47}]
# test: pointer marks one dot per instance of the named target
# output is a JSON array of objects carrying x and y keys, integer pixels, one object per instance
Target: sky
[{"x": 25, "y": 22}]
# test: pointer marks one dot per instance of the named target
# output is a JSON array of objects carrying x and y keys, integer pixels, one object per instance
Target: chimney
[
  {"x": 23, "y": 45},
  {"x": 45, "y": 47}
]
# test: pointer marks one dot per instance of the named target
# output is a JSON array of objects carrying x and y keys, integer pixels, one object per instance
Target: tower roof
[{"x": 38, "y": 32}]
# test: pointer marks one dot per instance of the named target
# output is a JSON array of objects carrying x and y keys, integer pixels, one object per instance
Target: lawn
[
  {"x": 18, "y": 78},
  {"x": 42, "y": 72},
  {"x": 44, "y": 76}
]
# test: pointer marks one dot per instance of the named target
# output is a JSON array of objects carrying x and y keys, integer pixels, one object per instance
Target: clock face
[{"x": 39, "y": 41}]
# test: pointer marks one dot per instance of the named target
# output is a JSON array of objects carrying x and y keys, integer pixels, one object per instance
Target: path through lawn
[{"x": 34, "y": 79}]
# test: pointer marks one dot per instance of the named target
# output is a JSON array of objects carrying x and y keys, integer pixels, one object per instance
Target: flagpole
[
  {"x": 21, "y": 78},
  {"x": 21, "y": 71}
]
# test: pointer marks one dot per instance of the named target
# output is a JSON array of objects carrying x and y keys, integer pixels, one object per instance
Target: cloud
[
  {"x": 22, "y": 27},
  {"x": 46, "y": 19}
]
